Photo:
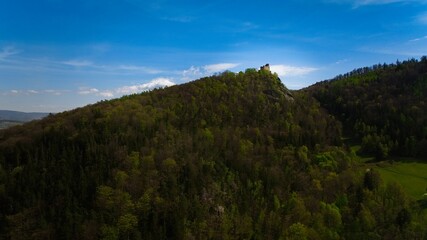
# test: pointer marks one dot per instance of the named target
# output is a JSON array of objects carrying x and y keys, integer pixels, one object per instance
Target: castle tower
[{"x": 265, "y": 67}]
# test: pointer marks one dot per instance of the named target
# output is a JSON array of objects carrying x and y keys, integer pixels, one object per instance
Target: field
[{"x": 411, "y": 175}]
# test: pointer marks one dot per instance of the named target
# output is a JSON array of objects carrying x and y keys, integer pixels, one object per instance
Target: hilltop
[{"x": 231, "y": 156}]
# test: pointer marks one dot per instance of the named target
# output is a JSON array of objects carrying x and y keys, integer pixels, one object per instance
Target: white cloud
[
  {"x": 54, "y": 92},
  {"x": 155, "y": 83},
  {"x": 32, "y": 91},
  {"x": 418, "y": 39},
  {"x": 286, "y": 70},
  {"x": 7, "y": 51},
  {"x": 220, "y": 67},
  {"x": 360, "y": 3},
  {"x": 85, "y": 91},
  {"x": 107, "y": 94},
  {"x": 195, "y": 72},
  {"x": 78, "y": 63},
  {"x": 341, "y": 61},
  {"x": 96, "y": 92},
  {"x": 191, "y": 73},
  {"x": 126, "y": 90}
]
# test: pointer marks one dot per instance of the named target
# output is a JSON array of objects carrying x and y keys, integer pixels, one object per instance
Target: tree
[
  {"x": 403, "y": 218},
  {"x": 371, "y": 180},
  {"x": 127, "y": 223},
  {"x": 297, "y": 231}
]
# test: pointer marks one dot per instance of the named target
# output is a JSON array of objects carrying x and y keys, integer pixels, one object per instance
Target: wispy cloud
[
  {"x": 55, "y": 92},
  {"x": 69, "y": 67},
  {"x": 7, "y": 51},
  {"x": 247, "y": 26},
  {"x": 20, "y": 92},
  {"x": 411, "y": 49},
  {"x": 195, "y": 72},
  {"x": 155, "y": 83},
  {"x": 180, "y": 19},
  {"x": 191, "y": 73},
  {"x": 122, "y": 69},
  {"x": 236, "y": 26},
  {"x": 78, "y": 63},
  {"x": 422, "y": 18},
  {"x": 106, "y": 94},
  {"x": 86, "y": 91},
  {"x": 418, "y": 39},
  {"x": 139, "y": 69},
  {"x": 415, "y": 47},
  {"x": 220, "y": 67},
  {"x": 378, "y": 2},
  {"x": 287, "y": 70},
  {"x": 342, "y": 61},
  {"x": 361, "y": 3},
  {"x": 96, "y": 92},
  {"x": 126, "y": 90}
]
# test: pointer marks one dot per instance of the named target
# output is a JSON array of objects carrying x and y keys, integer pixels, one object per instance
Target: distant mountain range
[
  {"x": 11, "y": 118},
  {"x": 21, "y": 116}
]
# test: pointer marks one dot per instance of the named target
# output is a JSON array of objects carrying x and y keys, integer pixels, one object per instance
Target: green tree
[
  {"x": 297, "y": 231},
  {"x": 127, "y": 223}
]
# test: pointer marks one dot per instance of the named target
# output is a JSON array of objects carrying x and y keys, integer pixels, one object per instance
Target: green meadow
[{"x": 411, "y": 175}]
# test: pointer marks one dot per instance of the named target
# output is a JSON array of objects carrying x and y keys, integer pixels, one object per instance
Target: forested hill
[
  {"x": 232, "y": 156},
  {"x": 384, "y": 106}
]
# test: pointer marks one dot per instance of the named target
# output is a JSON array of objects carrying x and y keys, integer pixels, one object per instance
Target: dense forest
[
  {"x": 384, "y": 106},
  {"x": 231, "y": 156}
]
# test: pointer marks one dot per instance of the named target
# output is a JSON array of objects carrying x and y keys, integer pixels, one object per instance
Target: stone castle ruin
[{"x": 265, "y": 67}]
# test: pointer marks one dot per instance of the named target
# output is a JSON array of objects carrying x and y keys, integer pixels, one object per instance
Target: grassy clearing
[{"x": 411, "y": 175}]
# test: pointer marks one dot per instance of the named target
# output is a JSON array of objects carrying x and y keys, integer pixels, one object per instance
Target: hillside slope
[
  {"x": 233, "y": 156},
  {"x": 383, "y": 106}
]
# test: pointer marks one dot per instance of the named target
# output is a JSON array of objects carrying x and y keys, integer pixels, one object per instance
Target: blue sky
[{"x": 56, "y": 55}]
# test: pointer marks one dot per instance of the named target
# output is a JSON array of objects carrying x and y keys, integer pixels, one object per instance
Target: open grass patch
[{"x": 411, "y": 175}]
